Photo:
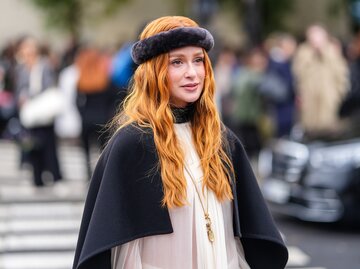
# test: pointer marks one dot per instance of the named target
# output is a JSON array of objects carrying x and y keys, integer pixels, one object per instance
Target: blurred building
[{"x": 21, "y": 16}]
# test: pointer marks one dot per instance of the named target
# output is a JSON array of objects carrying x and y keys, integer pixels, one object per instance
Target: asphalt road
[{"x": 326, "y": 246}]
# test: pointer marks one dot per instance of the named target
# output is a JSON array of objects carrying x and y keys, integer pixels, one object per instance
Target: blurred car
[{"x": 316, "y": 181}]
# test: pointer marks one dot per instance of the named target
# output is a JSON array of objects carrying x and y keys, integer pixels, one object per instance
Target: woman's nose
[{"x": 190, "y": 70}]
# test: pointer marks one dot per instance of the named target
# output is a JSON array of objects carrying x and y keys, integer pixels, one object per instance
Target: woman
[
  {"x": 173, "y": 188},
  {"x": 34, "y": 75},
  {"x": 322, "y": 80}
]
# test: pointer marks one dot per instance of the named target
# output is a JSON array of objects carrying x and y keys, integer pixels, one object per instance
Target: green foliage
[
  {"x": 335, "y": 6},
  {"x": 274, "y": 12},
  {"x": 181, "y": 7},
  {"x": 269, "y": 16},
  {"x": 63, "y": 14},
  {"x": 68, "y": 15}
]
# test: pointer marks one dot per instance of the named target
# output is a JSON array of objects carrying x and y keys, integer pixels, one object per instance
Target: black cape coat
[{"x": 124, "y": 203}]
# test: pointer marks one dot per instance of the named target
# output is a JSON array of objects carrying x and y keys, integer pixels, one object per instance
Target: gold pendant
[{"x": 210, "y": 233}]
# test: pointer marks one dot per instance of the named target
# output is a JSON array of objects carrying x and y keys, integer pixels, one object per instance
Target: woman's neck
[{"x": 183, "y": 114}]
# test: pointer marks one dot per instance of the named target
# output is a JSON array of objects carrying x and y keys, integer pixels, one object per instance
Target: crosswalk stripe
[
  {"x": 53, "y": 193},
  {"x": 297, "y": 257},
  {"x": 33, "y": 226},
  {"x": 41, "y": 210},
  {"x": 18, "y": 243},
  {"x": 37, "y": 260}
]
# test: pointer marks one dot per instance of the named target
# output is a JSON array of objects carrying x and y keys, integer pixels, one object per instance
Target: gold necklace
[{"x": 209, "y": 230}]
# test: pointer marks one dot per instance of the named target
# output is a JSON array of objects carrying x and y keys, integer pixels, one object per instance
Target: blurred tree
[
  {"x": 181, "y": 6},
  {"x": 68, "y": 15},
  {"x": 261, "y": 17}
]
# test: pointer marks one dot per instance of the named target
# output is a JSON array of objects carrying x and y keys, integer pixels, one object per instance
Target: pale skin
[{"x": 186, "y": 73}]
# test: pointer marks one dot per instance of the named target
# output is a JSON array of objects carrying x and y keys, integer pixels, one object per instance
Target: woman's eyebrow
[{"x": 179, "y": 55}]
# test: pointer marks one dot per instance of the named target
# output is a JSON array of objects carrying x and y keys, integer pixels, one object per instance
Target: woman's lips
[{"x": 190, "y": 86}]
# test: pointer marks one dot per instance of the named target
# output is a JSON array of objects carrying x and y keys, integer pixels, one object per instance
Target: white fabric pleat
[{"x": 188, "y": 247}]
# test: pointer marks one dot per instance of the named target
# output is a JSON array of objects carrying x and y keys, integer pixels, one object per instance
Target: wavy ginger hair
[{"x": 148, "y": 104}]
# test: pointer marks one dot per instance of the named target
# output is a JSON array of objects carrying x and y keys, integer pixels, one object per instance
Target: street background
[{"x": 39, "y": 222}]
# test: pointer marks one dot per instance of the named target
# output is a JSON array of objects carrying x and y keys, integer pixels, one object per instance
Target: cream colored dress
[{"x": 188, "y": 247}]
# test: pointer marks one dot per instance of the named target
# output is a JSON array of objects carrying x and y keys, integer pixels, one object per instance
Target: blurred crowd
[
  {"x": 303, "y": 90},
  {"x": 71, "y": 95}
]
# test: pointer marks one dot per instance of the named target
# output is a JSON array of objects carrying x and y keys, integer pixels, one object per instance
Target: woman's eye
[
  {"x": 176, "y": 62},
  {"x": 199, "y": 60}
]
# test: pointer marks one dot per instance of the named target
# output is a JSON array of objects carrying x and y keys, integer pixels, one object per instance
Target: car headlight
[{"x": 336, "y": 156}]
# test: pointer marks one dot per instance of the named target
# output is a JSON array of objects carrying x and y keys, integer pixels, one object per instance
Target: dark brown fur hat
[{"x": 166, "y": 41}]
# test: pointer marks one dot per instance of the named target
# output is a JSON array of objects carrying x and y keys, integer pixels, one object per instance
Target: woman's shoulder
[
  {"x": 232, "y": 141},
  {"x": 130, "y": 136},
  {"x": 229, "y": 135}
]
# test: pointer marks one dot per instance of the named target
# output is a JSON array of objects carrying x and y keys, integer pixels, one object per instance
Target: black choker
[{"x": 183, "y": 114}]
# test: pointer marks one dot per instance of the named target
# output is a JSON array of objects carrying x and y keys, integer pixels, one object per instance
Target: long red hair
[{"x": 148, "y": 105}]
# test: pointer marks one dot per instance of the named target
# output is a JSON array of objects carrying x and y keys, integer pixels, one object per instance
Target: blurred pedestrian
[
  {"x": 34, "y": 76},
  {"x": 7, "y": 88},
  {"x": 322, "y": 79},
  {"x": 350, "y": 106},
  {"x": 173, "y": 180},
  {"x": 122, "y": 70},
  {"x": 69, "y": 53},
  {"x": 96, "y": 98},
  {"x": 68, "y": 124},
  {"x": 281, "y": 53},
  {"x": 247, "y": 105},
  {"x": 224, "y": 71}
]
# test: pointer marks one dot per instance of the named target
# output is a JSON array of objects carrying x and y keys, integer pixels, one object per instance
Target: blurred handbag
[{"x": 42, "y": 109}]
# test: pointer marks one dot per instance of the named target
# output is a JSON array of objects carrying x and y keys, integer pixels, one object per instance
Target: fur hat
[{"x": 166, "y": 41}]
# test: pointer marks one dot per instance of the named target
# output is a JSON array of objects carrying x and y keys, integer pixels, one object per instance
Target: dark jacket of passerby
[
  {"x": 351, "y": 104},
  {"x": 96, "y": 98},
  {"x": 284, "y": 110}
]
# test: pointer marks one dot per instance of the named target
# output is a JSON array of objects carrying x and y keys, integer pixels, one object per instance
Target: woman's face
[
  {"x": 186, "y": 73},
  {"x": 28, "y": 52}
]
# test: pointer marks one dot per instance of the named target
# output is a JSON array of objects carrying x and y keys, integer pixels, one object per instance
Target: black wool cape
[{"x": 124, "y": 203}]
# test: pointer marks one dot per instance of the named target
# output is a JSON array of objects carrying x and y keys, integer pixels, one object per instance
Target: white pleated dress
[{"x": 188, "y": 247}]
